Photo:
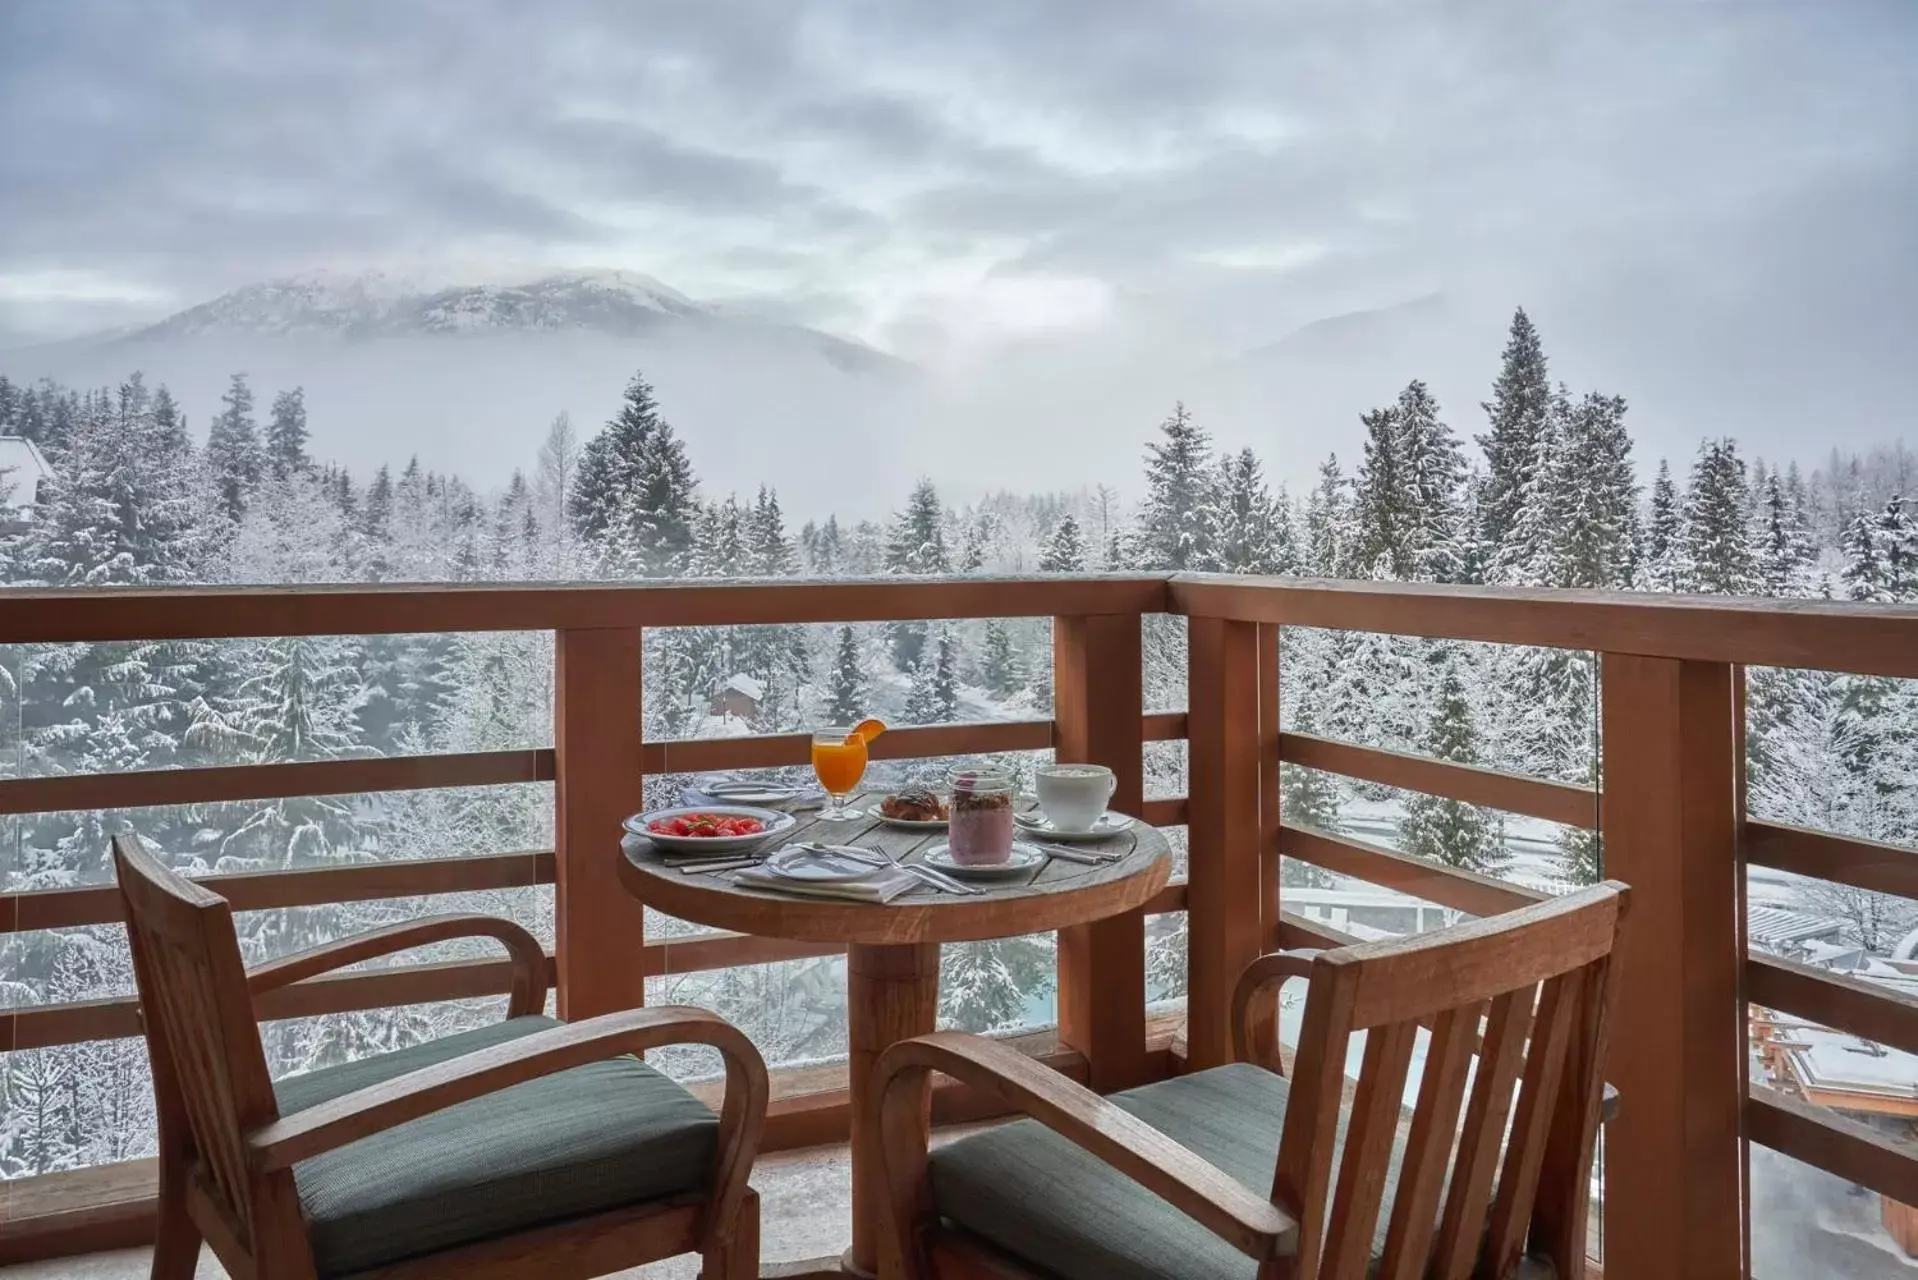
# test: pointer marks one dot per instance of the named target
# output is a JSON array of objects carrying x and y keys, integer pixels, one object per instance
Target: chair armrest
[
  {"x": 1185, "y": 1180},
  {"x": 528, "y": 958},
  {"x": 377, "y": 1107},
  {"x": 1260, "y": 974}
]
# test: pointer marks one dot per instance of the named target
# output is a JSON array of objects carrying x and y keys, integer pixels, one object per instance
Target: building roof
[
  {"x": 746, "y": 685},
  {"x": 1774, "y": 927},
  {"x": 22, "y": 468}
]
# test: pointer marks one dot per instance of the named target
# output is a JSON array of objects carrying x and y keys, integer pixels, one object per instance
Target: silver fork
[{"x": 929, "y": 875}]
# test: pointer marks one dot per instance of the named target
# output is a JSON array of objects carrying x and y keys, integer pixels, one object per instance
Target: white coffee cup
[{"x": 1074, "y": 796}]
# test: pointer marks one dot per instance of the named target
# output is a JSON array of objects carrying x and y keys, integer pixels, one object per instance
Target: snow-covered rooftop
[{"x": 746, "y": 685}]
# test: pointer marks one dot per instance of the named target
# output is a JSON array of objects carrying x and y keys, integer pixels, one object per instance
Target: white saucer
[
  {"x": 1024, "y": 858},
  {"x": 908, "y": 824},
  {"x": 1109, "y": 825}
]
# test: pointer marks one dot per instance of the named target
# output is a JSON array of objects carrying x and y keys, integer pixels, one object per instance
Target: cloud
[{"x": 883, "y": 166}]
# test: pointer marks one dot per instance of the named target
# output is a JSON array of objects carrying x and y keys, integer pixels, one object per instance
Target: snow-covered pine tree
[
  {"x": 1249, "y": 537},
  {"x": 1448, "y": 831},
  {"x": 1432, "y": 472},
  {"x": 1381, "y": 539},
  {"x": 1784, "y": 551},
  {"x": 1661, "y": 564},
  {"x": 1329, "y": 532},
  {"x": 1596, "y": 534},
  {"x": 826, "y": 551},
  {"x": 978, "y": 537},
  {"x": 1717, "y": 536},
  {"x": 1896, "y": 537},
  {"x": 553, "y": 479},
  {"x": 634, "y": 494},
  {"x": 1065, "y": 550},
  {"x": 1520, "y": 403},
  {"x": 233, "y": 450},
  {"x": 916, "y": 543},
  {"x": 1178, "y": 521},
  {"x": 847, "y": 693},
  {"x": 935, "y": 694},
  {"x": 999, "y": 667},
  {"x": 776, "y": 656},
  {"x": 286, "y": 435},
  {"x": 984, "y": 986}
]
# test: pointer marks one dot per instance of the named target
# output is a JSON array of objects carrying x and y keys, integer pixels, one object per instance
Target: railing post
[
  {"x": 1224, "y": 903},
  {"x": 1669, "y": 823},
  {"x": 1098, "y": 705},
  {"x": 599, "y": 926}
]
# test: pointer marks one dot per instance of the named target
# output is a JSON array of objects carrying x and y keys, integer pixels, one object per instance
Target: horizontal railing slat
[
  {"x": 767, "y": 751},
  {"x": 40, "y": 616},
  {"x": 1514, "y": 793},
  {"x": 42, "y": 1026},
  {"x": 1833, "y": 1142},
  {"x": 1448, "y": 886},
  {"x": 1834, "y": 1000},
  {"x": 302, "y": 887},
  {"x": 1816, "y": 634},
  {"x": 1864, "y": 864},
  {"x": 148, "y": 788}
]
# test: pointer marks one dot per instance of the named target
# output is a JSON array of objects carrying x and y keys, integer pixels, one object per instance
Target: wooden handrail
[
  {"x": 1448, "y": 886},
  {"x": 42, "y": 616},
  {"x": 1835, "y": 1143},
  {"x": 1870, "y": 639},
  {"x": 1863, "y": 864}
]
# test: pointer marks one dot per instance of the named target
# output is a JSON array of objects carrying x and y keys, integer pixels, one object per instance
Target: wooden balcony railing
[{"x": 1670, "y": 818}]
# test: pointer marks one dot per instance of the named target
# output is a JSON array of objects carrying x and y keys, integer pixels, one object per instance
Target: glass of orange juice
[{"x": 839, "y": 758}]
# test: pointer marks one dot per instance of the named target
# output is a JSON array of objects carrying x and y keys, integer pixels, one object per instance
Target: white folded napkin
[{"x": 883, "y": 885}]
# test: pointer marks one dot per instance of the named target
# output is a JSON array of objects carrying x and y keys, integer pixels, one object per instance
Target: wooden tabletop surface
[{"x": 1057, "y": 894}]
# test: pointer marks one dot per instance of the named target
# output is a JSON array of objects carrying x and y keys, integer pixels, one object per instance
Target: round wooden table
[{"x": 892, "y": 950}]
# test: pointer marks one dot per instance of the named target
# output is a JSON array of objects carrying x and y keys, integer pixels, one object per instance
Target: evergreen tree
[
  {"x": 1896, "y": 538},
  {"x": 1065, "y": 550},
  {"x": 769, "y": 552},
  {"x": 1662, "y": 565},
  {"x": 1520, "y": 404},
  {"x": 826, "y": 550},
  {"x": 1432, "y": 469},
  {"x": 1596, "y": 498},
  {"x": 1176, "y": 526},
  {"x": 1717, "y": 537},
  {"x": 972, "y": 554},
  {"x": 999, "y": 670},
  {"x": 233, "y": 448},
  {"x": 935, "y": 696},
  {"x": 1784, "y": 552},
  {"x": 1329, "y": 535},
  {"x": 1448, "y": 831},
  {"x": 1249, "y": 538},
  {"x": 633, "y": 492},
  {"x": 847, "y": 693},
  {"x": 917, "y": 540},
  {"x": 286, "y": 435},
  {"x": 916, "y": 543}
]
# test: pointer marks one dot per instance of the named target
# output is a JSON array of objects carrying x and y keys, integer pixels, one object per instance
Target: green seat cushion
[
  {"x": 577, "y": 1142},
  {"x": 1032, "y": 1193}
]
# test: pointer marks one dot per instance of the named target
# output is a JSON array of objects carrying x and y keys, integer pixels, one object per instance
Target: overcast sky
[{"x": 935, "y": 175}]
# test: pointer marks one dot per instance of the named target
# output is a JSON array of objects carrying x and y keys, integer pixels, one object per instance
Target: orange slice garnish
[{"x": 867, "y": 730}]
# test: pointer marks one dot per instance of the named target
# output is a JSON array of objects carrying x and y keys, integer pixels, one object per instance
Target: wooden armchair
[
  {"x": 1170, "y": 1181},
  {"x": 528, "y": 1148}
]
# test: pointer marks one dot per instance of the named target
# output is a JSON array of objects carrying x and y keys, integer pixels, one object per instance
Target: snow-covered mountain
[
  {"x": 468, "y": 375},
  {"x": 371, "y": 305}
]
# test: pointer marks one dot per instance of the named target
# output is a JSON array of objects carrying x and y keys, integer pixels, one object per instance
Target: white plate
[
  {"x": 1024, "y": 858},
  {"x": 746, "y": 791},
  {"x": 821, "y": 864},
  {"x": 1109, "y": 825},
  {"x": 776, "y": 824},
  {"x": 907, "y": 824}
]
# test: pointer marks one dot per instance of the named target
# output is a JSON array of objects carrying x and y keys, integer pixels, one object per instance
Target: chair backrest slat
[
  {"x": 1536, "y": 980},
  {"x": 1537, "y": 1100},
  {"x": 210, "y": 1068},
  {"x": 1368, "y": 1149},
  {"x": 1428, "y": 1151},
  {"x": 1500, "y": 1056}
]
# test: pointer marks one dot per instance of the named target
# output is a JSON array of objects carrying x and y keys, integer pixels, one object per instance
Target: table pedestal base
[{"x": 892, "y": 994}]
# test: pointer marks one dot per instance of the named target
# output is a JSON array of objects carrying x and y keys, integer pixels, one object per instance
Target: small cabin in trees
[
  {"x": 23, "y": 468},
  {"x": 739, "y": 697}
]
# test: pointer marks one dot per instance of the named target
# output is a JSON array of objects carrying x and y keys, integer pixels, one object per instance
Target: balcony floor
[{"x": 805, "y": 1213}]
